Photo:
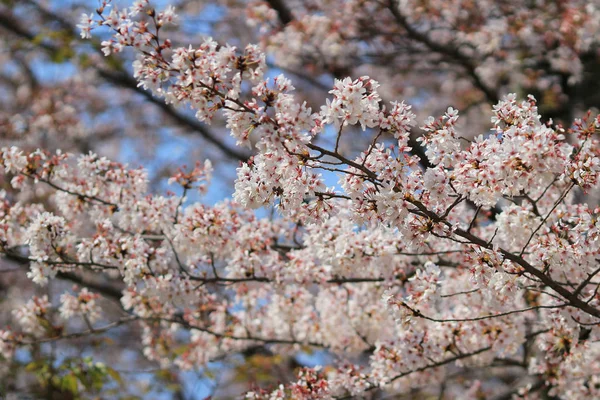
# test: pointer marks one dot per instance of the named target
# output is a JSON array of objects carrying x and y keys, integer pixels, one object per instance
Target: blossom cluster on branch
[{"x": 404, "y": 272}]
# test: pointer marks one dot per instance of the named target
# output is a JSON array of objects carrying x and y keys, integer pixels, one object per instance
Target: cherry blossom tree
[{"x": 420, "y": 256}]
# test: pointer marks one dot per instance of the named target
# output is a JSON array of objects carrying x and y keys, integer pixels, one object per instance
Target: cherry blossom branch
[
  {"x": 441, "y": 363},
  {"x": 75, "y": 335},
  {"x": 127, "y": 82},
  {"x": 418, "y": 313},
  {"x": 585, "y": 282},
  {"x": 545, "y": 279},
  {"x": 460, "y": 293},
  {"x": 219, "y": 279},
  {"x": 234, "y": 337},
  {"x": 124, "y": 81},
  {"x": 446, "y": 50},
  {"x": 23, "y": 259},
  {"x": 573, "y": 300},
  {"x": 283, "y": 11},
  {"x": 560, "y": 199},
  {"x": 131, "y": 318},
  {"x": 113, "y": 206}
]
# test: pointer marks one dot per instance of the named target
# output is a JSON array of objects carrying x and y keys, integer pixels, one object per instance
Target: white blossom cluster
[{"x": 401, "y": 260}]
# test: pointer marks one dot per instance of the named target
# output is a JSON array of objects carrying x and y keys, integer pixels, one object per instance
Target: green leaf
[
  {"x": 115, "y": 375},
  {"x": 114, "y": 63},
  {"x": 97, "y": 378},
  {"x": 173, "y": 387},
  {"x": 46, "y": 325},
  {"x": 34, "y": 365},
  {"x": 37, "y": 39},
  {"x": 209, "y": 373},
  {"x": 69, "y": 382},
  {"x": 62, "y": 55},
  {"x": 165, "y": 375},
  {"x": 181, "y": 349}
]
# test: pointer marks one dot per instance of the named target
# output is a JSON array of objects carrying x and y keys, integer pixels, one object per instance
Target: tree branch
[
  {"x": 123, "y": 80},
  {"x": 446, "y": 50}
]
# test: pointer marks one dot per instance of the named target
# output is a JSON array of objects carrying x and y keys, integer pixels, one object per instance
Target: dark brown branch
[
  {"x": 283, "y": 12},
  {"x": 107, "y": 290},
  {"x": 539, "y": 384},
  {"x": 75, "y": 335},
  {"x": 249, "y": 338},
  {"x": 113, "y": 292},
  {"x": 123, "y": 80},
  {"x": 442, "y": 363},
  {"x": 446, "y": 50},
  {"x": 418, "y": 313}
]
